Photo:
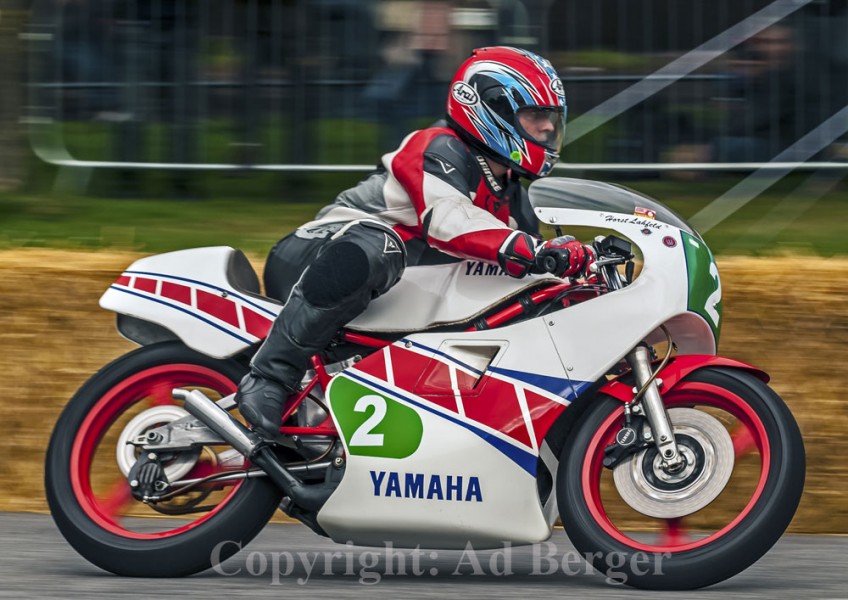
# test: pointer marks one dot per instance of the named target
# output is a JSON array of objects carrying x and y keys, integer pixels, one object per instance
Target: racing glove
[{"x": 563, "y": 256}]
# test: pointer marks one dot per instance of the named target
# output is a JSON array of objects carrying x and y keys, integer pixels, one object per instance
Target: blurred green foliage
[
  {"x": 252, "y": 211},
  {"x": 155, "y": 211}
]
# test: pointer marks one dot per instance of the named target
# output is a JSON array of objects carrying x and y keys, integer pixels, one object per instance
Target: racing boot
[
  {"x": 300, "y": 331},
  {"x": 338, "y": 285}
]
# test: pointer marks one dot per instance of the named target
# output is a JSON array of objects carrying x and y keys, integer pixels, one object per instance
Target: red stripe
[
  {"x": 446, "y": 402},
  {"x": 435, "y": 385},
  {"x": 497, "y": 406},
  {"x": 543, "y": 413},
  {"x": 257, "y": 325},
  {"x": 176, "y": 291},
  {"x": 374, "y": 365},
  {"x": 123, "y": 280},
  {"x": 407, "y": 367},
  {"x": 467, "y": 384},
  {"x": 435, "y": 380},
  {"x": 220, "y": 308},
  {"x": 145, "y": 285}
]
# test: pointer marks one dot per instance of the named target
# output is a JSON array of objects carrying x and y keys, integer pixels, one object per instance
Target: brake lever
[{"x": 603, "y": 262}]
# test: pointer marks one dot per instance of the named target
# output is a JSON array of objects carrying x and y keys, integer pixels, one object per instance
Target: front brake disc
[{"x": 708, "y": 451}]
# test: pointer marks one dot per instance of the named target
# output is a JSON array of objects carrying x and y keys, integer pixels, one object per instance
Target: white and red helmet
[{"x": 509, "y": 104}]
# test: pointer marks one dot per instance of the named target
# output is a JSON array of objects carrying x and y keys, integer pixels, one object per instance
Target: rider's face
[
  {"x": 536, "y": 123},
  {"x": 540, "y": 124}
]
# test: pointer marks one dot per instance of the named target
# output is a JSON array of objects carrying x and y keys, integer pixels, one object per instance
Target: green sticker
[
  {"x": 516, "y": 156},
  {"x": 372, "y": 423},
  {"x": 704, "y": 282}
]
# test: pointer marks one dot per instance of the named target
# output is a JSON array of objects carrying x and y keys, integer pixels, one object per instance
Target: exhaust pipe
[{"x": 253, "y": 447}]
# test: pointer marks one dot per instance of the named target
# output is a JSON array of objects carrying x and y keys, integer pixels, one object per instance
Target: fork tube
[{"x": 655, "y": 409}]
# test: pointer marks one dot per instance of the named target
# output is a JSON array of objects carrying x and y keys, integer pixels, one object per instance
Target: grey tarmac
[{"x": 289, "y": 561}]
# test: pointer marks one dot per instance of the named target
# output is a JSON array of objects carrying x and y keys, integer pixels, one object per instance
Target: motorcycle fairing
[
  {"x": 704, "y": 283},
  {"x": 191, "y": 293},
  {"x": 662, "y": 295},
  {"x": 485, "y": 425}
]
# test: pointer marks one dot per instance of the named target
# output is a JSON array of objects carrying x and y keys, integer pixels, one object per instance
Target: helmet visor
[{"x": 543, "y": 125}]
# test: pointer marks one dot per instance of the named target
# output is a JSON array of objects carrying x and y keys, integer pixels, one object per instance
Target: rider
[{"x": 452, "y": 187}]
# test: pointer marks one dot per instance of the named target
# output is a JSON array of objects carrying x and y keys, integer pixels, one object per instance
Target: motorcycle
[{"x": 463, "y": 406}]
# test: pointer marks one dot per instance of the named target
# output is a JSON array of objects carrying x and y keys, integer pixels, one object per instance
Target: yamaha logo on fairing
[
  {"x": 464, "y": 93},
  {"x": 481, "y": 269},
  {"x": 426, "y": 487},
  {"x": 556, "y": 87}
]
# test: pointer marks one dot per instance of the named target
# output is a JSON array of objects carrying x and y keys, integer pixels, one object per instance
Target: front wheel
[
  {"x": 745, "y": 454},
  {"x": 88, "y": 460}
]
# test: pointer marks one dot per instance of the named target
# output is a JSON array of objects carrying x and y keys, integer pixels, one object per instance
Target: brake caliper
[
  {"x": 628, "y": 440},
  {"x": 147, "y": 477}
]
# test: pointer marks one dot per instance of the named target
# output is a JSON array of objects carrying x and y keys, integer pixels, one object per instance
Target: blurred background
[
  {"x": 141, "y": 126},
  {"x": 281, "y": 85}
]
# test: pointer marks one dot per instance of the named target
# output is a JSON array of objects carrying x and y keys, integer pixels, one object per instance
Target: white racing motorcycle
[{"x": 462, "y": 406}]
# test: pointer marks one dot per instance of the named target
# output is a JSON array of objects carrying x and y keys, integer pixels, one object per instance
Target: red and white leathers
[{"x": 437, "y": 189}]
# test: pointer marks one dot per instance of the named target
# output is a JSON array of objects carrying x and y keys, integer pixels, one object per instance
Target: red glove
[{"x": 564, "y": 257}]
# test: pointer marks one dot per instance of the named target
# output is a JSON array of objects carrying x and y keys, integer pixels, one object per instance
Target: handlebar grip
[{"x": 549, "y": 263}]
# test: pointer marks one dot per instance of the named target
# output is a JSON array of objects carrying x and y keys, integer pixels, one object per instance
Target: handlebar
[{"x": 549, "y": 263}]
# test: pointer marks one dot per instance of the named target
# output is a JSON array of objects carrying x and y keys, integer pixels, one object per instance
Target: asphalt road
[{"x": 36, "y": 562}]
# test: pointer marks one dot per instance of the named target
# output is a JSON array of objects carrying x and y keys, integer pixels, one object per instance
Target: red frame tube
[
  {"x": 514, "y": 310},
  {"x": 325, "y": 427},
  {"x": 364, "y": 340}
]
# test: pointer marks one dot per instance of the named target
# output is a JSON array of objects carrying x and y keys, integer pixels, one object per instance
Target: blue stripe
[
  {"x": 525, "y": 460},
  {"x": 564, "y": 388},
  {"x": 443, "y": 355},
  {"x": 188, "y": 312},
  {"x": 229, "y": 292}
]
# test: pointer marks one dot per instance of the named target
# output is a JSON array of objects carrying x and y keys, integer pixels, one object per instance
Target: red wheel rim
[
  {"x": 688, "y": 393},
  {"x": 145, "y": 384}
]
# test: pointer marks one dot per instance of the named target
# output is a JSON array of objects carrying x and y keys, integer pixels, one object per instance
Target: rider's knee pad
[{"x": 341, "y": 270}]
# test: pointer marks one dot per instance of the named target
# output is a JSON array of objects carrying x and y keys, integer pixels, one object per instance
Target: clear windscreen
[{"x": 585, "y": 194}]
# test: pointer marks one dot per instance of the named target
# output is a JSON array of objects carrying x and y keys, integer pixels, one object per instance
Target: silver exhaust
[
  {"x": 219, "y": 421},
  {"x": 252, "y": 446}
]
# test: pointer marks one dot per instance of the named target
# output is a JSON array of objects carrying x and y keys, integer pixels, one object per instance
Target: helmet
[{"x": 509, "y": 104}]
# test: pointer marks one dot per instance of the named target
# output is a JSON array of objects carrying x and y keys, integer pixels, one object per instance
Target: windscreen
[{"x": 584, "y": 194}]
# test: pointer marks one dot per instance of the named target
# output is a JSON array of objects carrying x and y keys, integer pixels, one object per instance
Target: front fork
[{"x": 640, "y": 362}]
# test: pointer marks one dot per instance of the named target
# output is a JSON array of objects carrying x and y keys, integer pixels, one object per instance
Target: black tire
[
  {"x": 240, "y": 517},
  {"x": 730, "y": 552}
]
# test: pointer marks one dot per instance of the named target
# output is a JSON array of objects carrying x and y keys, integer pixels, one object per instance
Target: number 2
[
  {"x": 363, "y": 435},
  {"x": 715, "y": 297}
]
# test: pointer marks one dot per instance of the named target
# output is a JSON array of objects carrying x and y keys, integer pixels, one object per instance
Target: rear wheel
[
  {"x": 740, "y": 490},
  {"x": 88, "y": 461}
]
